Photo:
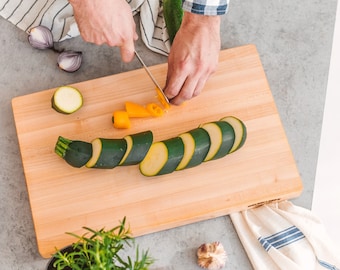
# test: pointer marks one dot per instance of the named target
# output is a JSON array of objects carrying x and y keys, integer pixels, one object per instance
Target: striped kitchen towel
[
  {"x": 57, "y": 15},
  {"x": 285, "y": 236}
]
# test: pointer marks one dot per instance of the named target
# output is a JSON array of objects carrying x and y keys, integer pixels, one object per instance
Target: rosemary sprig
[{"x": 101, "y": 250}]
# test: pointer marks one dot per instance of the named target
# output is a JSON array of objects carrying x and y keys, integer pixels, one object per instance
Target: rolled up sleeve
[{"x": 206, "y": 7}]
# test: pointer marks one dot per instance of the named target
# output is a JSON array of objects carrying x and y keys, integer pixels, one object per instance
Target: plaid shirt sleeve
[{"x": 206, "y": 7}]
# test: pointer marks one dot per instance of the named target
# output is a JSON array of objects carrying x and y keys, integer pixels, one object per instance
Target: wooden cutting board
[{"x": 64, "y": 199}]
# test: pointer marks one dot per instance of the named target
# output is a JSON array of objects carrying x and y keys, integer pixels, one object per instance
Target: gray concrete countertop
[{"x": 294, "y": 39}]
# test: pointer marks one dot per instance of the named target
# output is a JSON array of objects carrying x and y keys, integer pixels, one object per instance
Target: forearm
[
  {"x": 193, "y": 20},
  {"x": 74, "y": 2}
]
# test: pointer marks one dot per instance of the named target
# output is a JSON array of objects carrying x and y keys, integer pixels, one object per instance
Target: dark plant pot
[{"x": 52, "y": 260}]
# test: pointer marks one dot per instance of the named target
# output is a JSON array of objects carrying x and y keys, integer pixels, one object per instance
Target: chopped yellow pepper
[
  {"x": 161, "y": 99},
  {"x": 120, "y": 119},
  {"x": 154, "y": 109},
  {"x": 136, "y": 110}
]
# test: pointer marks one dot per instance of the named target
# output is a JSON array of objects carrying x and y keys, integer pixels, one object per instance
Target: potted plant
[{"x": 101, "y": 250}]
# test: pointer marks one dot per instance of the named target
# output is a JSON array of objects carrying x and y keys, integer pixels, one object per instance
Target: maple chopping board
[{"x": 64, "y": 199}]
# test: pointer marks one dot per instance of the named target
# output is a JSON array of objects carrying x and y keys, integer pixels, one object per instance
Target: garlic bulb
[
  {"x": 40, "y": 37},
  {"x": 211, "y": 256},
  {"x": 70, "y": 61}
]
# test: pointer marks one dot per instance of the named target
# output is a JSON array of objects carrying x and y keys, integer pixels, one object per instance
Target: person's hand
[
  {"x": 193, "y": 56},
  {"x": 107, "y": 22}
]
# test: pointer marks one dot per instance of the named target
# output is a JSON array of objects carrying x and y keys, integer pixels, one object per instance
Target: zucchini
[
  {"x": 137, "y": 147},
  {"x": 240, "y": 131},
  {"x": 209, "y": 141},
  {"x": 163, "y": 157},
  {"x": 173, "y": 16},
  {"x": 106, "y": 153},
  {"x": 196, "y": 147},
  {"x": 75, "y": 153},
  {"x": 222, "y": 138},
  {"x": 67, "y": 100}
]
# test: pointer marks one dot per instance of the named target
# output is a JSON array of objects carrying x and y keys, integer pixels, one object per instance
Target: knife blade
[{"x": 152, "y": 78}]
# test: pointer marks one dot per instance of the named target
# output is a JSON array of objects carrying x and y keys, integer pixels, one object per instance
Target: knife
[{"x": 165, "y": 98}]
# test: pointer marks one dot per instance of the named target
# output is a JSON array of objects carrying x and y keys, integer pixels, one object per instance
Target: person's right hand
[
  {"x": 107, "y": 22},
  {"x": 193, "y": 56}
]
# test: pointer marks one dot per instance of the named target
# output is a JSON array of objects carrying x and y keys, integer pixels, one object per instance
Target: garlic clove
[
  {"x": 40, "y": 37},
  {"x": 211, "y": 256},
  {"x": 70, "y": 61}
]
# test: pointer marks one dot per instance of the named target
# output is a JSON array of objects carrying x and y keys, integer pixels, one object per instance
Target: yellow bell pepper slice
[
  {"x": 161, "y": 99},
  {"x": 136, "y": 110},
  {"x": 154, "y": 109},
  {"x": 120, "y": 119}
]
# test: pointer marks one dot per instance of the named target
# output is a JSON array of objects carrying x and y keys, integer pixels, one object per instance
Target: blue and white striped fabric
[
  {"x": 282, "y": 238},
  {"x": 206, "y": 7},
  {"x": 285, "y": 236}
]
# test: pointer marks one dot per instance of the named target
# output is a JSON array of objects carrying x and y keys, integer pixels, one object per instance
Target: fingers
[
  {"x": 107, "y": 22},
  {"x": 174, "y": 84},
  {"x": 184, "y": 88},
  {"x": 127, "y": 51}
]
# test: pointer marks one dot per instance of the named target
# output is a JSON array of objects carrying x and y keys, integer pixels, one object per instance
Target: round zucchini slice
[
  {"x": 196, "y": 147},
  {"x": 67, "y": 100},
  {"x": 222, "y": 138},
  {"x": 240, "y": 132},
  {"x": 163, "y": 157}
]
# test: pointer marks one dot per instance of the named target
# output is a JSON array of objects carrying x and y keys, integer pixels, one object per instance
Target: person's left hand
[
  {"x": 193, "y": 56},
  {"x": 110, "y": 22}
]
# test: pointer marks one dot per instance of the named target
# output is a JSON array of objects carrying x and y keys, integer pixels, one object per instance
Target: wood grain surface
[{"x": 64, "y": 199}]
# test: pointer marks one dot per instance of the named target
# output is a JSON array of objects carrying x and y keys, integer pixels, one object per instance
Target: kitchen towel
[
  {"x": 57, "y": 15},
  {"x": 285, "y": 236}
]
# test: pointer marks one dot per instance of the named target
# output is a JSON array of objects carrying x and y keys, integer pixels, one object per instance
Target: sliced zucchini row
[
  {"x": 163, "y": 157},
  {"x": 106, "y": 153},
  {"x": 137, "y": 147},
  {"x": 196, "y": 147},
  {"x": 209, "y": 141},
  {"x": 222, "y": 138}
]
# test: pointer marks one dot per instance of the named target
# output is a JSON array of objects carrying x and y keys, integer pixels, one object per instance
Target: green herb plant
[{"x": 102, "y": 251}]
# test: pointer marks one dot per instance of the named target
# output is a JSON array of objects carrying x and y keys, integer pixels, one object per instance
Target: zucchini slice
[
  {"x": 75, "y": 153},
  {"x": 163, "y": 157},
  {"x": 196, "y": 147},
  {"x": 222, "y": 138},
  {"x": 106, "y": 153},
  {"x": 67, "y": 100},
  {"x": 240, "y": 132},
  {"x": 137, "y": 147}
]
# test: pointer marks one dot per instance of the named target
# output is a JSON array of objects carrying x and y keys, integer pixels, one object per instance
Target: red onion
[
  {"x": 70, "y": 61},
  {"x": 40, "y": 37}
]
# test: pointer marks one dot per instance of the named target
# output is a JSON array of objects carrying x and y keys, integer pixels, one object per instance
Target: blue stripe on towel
[
  {"x": 282, "y": 238},
  {"x": 327, "y": 265}
]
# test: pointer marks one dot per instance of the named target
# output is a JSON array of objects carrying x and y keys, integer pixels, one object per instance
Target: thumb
[{"x": 127, "y": 52}]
